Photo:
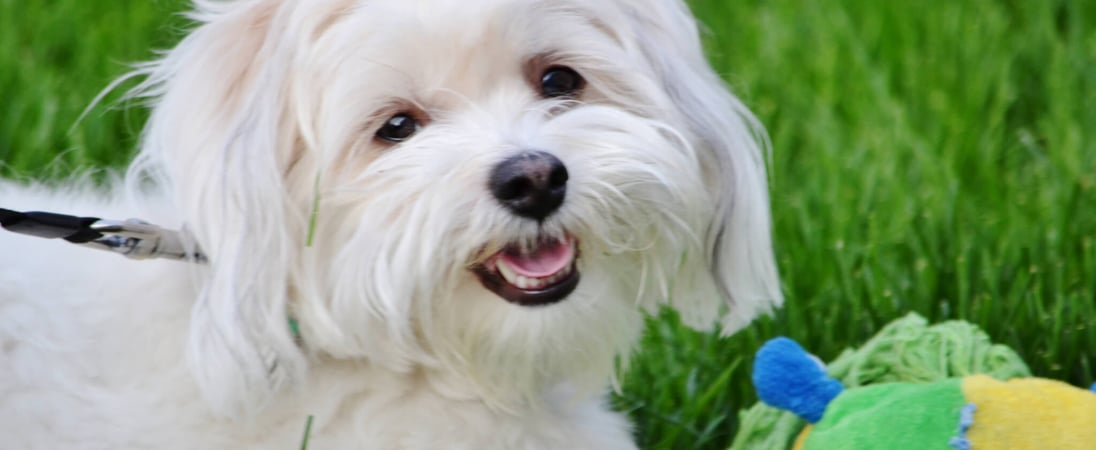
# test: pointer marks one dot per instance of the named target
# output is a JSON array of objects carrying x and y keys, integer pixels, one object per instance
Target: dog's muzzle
[{"x": 532, "y": 185}]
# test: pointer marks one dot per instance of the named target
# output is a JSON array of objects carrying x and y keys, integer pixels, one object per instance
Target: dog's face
[{"x": 491, "y": 192}]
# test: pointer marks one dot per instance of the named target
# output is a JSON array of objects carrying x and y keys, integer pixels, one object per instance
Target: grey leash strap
[{"x": 132, "y": 238}]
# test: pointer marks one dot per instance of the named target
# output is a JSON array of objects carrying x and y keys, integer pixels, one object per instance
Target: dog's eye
[
  {"x": 398, "y": 128},
  {"x": 560, "y": 81}
]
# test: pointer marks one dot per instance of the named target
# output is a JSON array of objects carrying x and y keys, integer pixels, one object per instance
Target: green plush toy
[{"x": 921, "y": 393}]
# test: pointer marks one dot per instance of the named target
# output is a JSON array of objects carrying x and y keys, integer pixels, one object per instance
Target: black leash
[
  {"x": 132, "y": 238},
  {"x": 74, "y": 229}
]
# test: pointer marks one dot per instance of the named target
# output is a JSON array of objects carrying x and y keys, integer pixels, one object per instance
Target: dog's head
[{"x": 493, "y": 191}]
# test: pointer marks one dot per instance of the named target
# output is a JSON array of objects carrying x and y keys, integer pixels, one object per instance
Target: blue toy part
[
  {"x": 1093, "y": 388},
  {"x": 789, "y": 378}
]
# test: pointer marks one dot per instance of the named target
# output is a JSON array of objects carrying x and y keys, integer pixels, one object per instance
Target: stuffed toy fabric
[
  {"x": 906, "y": 350},
  {"x": 962, "y": 413}
]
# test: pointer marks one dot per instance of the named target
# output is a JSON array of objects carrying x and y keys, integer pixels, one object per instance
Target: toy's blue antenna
[{"x": 789, "y": 378}]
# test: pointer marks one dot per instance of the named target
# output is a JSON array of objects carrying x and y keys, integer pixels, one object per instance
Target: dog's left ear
[{"x": 737, "y": 274}]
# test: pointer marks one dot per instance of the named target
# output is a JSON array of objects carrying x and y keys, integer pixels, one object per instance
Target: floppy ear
[
  {"x": 737, "y": 269},
  {"x": 219, "y": 141}
]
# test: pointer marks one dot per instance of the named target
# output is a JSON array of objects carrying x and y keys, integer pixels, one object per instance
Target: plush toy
[{"x": 972, "y": 412}]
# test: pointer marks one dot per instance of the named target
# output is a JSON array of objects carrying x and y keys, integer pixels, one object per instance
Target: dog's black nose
[{"x": 532, "y": 184}]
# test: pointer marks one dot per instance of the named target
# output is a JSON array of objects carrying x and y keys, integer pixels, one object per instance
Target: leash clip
[{"x": 137, "y": 239}]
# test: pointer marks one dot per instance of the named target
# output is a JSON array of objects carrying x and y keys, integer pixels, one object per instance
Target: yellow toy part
[{"x": 1030, "y": 414}]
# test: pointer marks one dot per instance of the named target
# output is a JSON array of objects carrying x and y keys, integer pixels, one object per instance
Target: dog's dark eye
[
  {"x": 560, "y": 81},
  {"x": 398, "y": 128}
]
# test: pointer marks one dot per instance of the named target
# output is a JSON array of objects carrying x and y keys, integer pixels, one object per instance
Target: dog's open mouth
[{"x": 532, "y": 277}]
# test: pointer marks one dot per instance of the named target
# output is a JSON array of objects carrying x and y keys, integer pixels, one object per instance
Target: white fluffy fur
[{"x": 265, "y": 114}]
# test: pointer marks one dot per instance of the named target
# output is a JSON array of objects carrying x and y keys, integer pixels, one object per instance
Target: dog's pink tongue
[{"x": 545, "y": 261}]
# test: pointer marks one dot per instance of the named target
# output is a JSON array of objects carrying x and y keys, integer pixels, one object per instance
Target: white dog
[{"x": 464, "y": 207}]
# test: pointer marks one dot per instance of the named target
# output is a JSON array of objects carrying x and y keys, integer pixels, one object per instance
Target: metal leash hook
[
  {"x": 132, "y": 238},
  {"x": 137, "y": 239}
]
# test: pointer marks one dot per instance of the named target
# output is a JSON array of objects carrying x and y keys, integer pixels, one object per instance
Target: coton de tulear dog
[{"x": 429, "y": 224}]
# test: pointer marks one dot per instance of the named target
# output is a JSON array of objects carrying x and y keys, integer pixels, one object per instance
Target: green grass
[
  {"x": 54, "y": 59},
  {"x": 938, "y": 159}
]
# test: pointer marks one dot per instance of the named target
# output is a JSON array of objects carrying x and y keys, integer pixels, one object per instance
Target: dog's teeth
[
  {"x": 507, "y": 273},
  {"x": 558, "y": 276},
  {"x": 524, "y": 283}
]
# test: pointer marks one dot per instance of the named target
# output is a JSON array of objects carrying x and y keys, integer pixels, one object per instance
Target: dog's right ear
[
  {"x": 219, "y": 140},
  {"x": 737, "y": 274}
]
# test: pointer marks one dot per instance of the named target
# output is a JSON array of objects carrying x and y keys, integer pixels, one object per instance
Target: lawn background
[{"x": 937, "y": 157}]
